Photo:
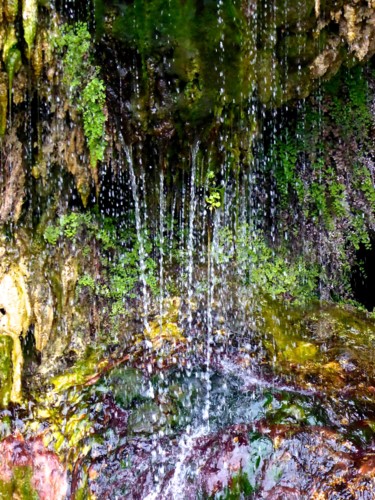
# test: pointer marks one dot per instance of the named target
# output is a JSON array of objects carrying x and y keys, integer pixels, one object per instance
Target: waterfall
[
  {"x": 140, "y": 236},
  {"x": 187, "y": 220},
  {"x": 190, "y": 241}
]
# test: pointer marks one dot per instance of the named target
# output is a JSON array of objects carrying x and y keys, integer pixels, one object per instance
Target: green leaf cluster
[
  {"x": 215, "y": 192},
  {"x": 93, "y": 102},
  {"x": 120, "y": 255},
  {"x": 269, "y": 271},
  {"x": 86, "y": 88},
  {"x": 68, "y": 226},
  {"x": 350, "y": 103}
]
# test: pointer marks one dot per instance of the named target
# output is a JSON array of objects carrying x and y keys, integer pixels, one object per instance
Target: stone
[
  {"x": 16, "y": 317},
  {"x": 29, "y": 471}
]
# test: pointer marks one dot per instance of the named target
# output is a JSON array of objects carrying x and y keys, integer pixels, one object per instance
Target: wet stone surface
[{"x": 285, "y": 408}]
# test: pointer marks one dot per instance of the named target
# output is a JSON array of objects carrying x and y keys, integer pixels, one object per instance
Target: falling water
[
  {"x": 161, "y": 241},
  {"x": 140, "y": 236},
  {"x": 190, "y": 240}
]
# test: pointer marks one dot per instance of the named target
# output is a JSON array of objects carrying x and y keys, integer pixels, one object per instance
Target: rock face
[
  {"x": 29, "y": 470},
  {"x": 15, "y": 319},
  {"x": 33, "y": 303}
]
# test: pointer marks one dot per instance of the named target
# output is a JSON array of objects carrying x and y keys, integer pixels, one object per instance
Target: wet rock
[
  {"x": 6, "y": 365},
  {"x": 328, "y": 62},
  {"x": 12, "y": 182},
  {"x": 147, "y": 419},
  {"x": 316, "y": 462},
  {"x": 29, "y": 470},
  {"x": 274, "y": 460},
  {"x": 15, "y": 318},
  {"x": 327, "y": 347}
]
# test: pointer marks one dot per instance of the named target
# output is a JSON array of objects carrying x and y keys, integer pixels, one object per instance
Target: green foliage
[
  {"x": 319, "y": 195},
  {"x": 322, "y": 170},
  {"x": 215, "y": 193},
  {"x": 239, "y": 486},
  {"x": 359, "y": 234},
  {"x": 120, "y": 251},
  {"x": 270, "y": 271},
  {"x": 68, "y": 226},
  {"x": 363, "y": 182},
  {"x": 349, "y": 106},
  {"x": 337, "y": 193},
  {"x": 125, "y": 272},
  {"x": 87, "y": 281},
  {"x": 86, "y": 88},
  {"x": 285, "y": 171},
  {"x": 319, "y": 200},
  {"x": 75, "y": 43},
  {"x": 93, "y": 101},
  {"x": 52, "y": 234},
  {"x": 71, "y": 223}
]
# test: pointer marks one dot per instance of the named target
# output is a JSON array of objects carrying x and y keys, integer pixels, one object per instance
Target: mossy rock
[
  {"x": 326, "y": 345},
  {"x": 128, "y": 385},
  {"x": 268, "y": 78},
  {"x": 6, "y": 369},
  {"x": 283, "y": 337},
  {"x": 299, "y": 48},
  {"x": 292, "y": 12},
  {"x": 150, "y": 417},
  {"x": 19, "y": 486}
]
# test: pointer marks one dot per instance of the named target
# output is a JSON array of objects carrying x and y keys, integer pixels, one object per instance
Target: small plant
[
  {"x": 85, "y": 87},
  {"x": 120, "y": 251},
  {"x": 93, "y": 102},
  {"x": 52, "y": 234},
  {"x": 266, "y": 270},
  {"x": 214, "y": 198},
  {"x": 75, "y": 42},
  {"x": 87, "y": 281},
  {"x": 285, "y": 169}
]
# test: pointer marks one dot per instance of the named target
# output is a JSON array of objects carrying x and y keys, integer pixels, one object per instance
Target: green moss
[
  {"x": 128, "y": 385},
  {"x": 268, "y": 78},
  {"x": 13, "y": 64},
  {"x": 19, "y": 486},
  {"x": 6, "y": 366},
  {"x": 284, "y": 339},
  {"x": 29, "y": 21},
  {"x": 3, "y": 102},
  {"x": 11, "y": 8},
  {"x": 85, "y": 368}
]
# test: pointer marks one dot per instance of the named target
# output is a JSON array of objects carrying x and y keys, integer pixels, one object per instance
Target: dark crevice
[
  {"x": 31, "y": 355},
  {"x": 363, "y": 276}
]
